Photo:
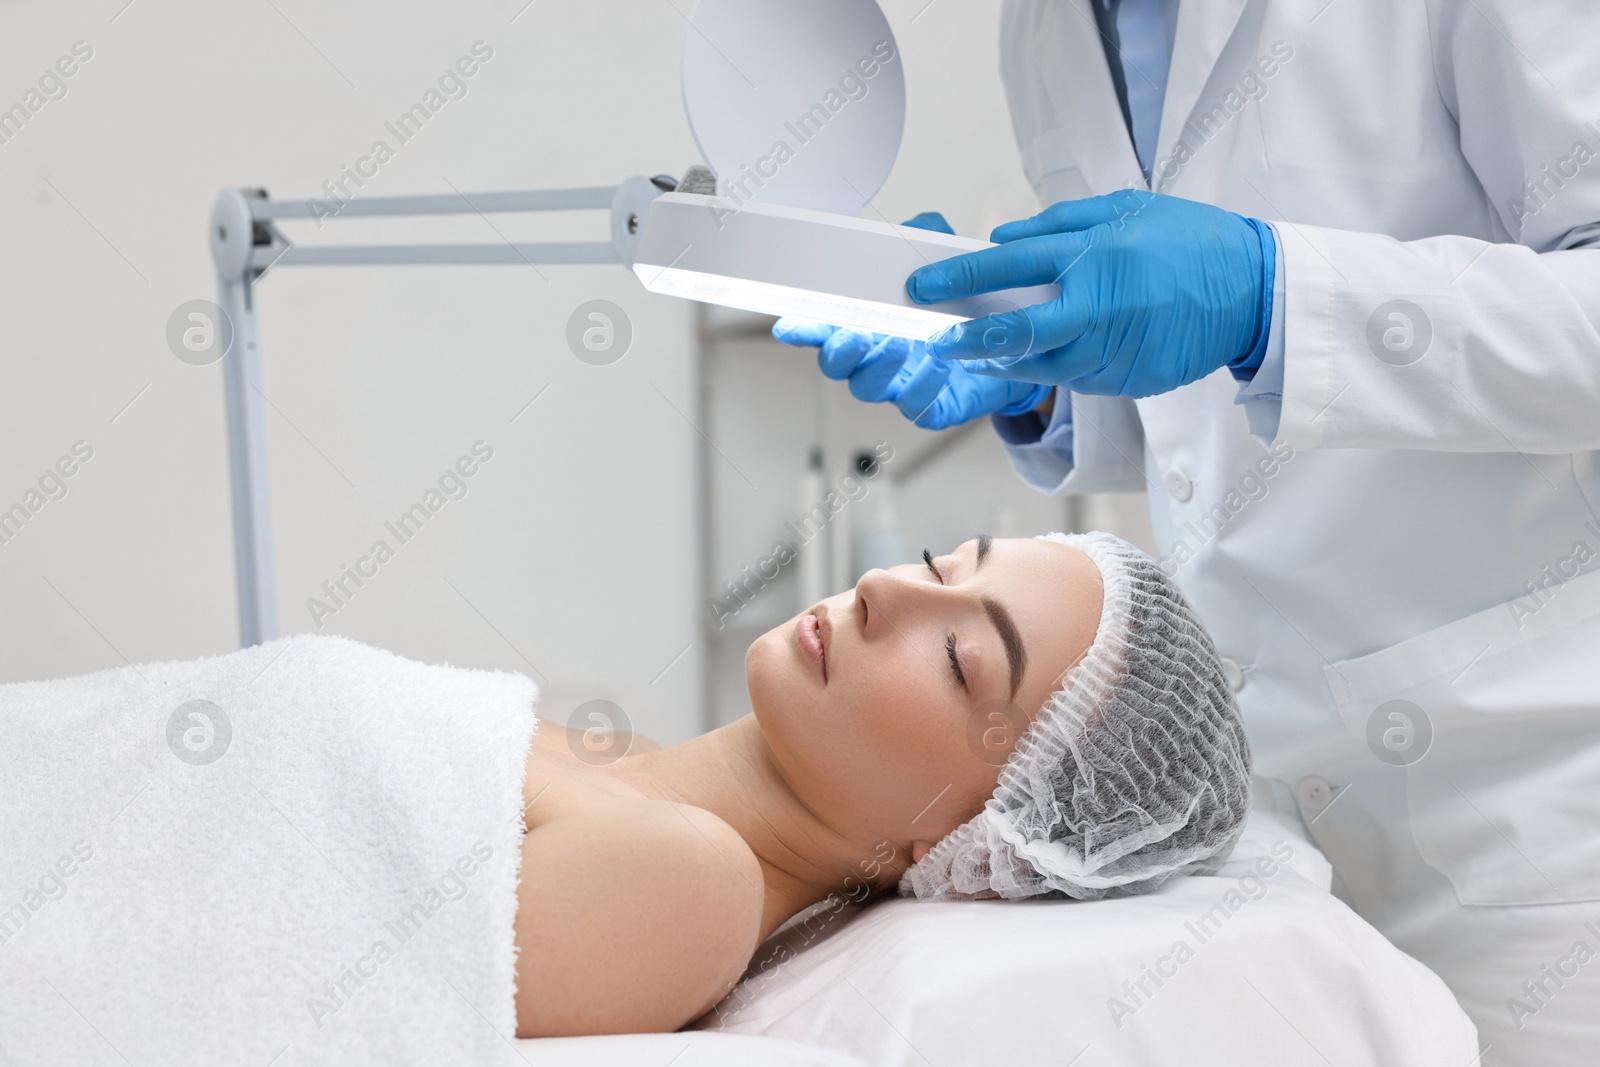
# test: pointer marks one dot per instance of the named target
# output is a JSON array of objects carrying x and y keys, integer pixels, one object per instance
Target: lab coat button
[
  {"x": 1314, "y": 793},
  {"x": 1178, "y": 484},
  {"x": 1232, "y": 673}
]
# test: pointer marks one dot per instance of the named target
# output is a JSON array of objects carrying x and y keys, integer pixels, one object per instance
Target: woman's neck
[{"x": 731, "y": 773}]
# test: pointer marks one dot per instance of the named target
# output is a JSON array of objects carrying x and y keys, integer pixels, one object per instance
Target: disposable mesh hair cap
[{"x": 1135, "y": 771}]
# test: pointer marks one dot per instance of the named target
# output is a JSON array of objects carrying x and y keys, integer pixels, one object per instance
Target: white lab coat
[{"x": 1426, "y": 525}]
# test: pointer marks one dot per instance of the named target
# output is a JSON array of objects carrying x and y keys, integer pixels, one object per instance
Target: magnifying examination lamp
[{"x": 797, "y": 109}]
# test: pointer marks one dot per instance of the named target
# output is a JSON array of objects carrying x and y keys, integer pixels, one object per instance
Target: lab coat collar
[
  {"x": 1078, "y": 82},
  {"x": 1203, "y": 30}
]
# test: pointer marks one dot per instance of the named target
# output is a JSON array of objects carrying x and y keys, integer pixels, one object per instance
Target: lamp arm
[{"x": 245, "y": 244}]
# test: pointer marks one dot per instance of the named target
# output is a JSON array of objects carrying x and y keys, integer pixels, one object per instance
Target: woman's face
[{"x": 928, "y": 673}]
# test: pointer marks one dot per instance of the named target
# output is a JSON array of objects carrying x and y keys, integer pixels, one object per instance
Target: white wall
[{"x": 572, "y": 557}]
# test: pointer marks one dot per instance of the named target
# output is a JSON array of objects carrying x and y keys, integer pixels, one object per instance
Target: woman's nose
[{"x": 891, "y": 599}]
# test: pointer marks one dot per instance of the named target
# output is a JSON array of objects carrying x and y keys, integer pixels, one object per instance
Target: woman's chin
[{"x": 772, "y": 671}]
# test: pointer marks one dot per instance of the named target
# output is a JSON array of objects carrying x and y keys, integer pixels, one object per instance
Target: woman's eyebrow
[{"x": 1006, "y": 627}]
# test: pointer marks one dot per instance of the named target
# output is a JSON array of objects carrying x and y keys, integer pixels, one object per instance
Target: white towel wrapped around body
[{"x": 300, "y": 853}]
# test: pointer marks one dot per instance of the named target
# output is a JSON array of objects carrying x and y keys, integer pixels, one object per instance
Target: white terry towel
[{"x": 317, "y": 866}]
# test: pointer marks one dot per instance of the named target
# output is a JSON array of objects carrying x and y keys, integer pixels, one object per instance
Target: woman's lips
[{"x": 808, "y": 631}]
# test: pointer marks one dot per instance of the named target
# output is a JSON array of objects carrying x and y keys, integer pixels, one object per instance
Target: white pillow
[
  {"x": 1268, "y": 837},
  {"x": 1257, "y": 964}
]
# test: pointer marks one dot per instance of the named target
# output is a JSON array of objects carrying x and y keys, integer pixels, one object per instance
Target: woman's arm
[{"x": 633, "y": 917}]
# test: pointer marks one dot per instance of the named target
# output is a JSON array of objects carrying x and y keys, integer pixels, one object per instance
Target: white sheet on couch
[{"x": 678, "y": 1050}]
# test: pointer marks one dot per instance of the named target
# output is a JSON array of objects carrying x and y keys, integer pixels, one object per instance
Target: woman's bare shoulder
[
  {"x": 634, "y": 915},
  {"x": 554, "y": 736}
]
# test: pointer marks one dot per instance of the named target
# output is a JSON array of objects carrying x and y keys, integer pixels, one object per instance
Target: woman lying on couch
[
  {"x": 1017, "y": 718},
  {"x": 320, "y": 846}
]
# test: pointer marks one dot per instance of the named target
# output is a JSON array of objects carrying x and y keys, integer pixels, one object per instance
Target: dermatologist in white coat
[{"x": 1389, "y": 512}]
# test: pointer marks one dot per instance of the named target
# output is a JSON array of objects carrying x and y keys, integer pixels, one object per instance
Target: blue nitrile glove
[
  {"x": 931, "y": 393},
  {"x": 1156, "y": 292}
]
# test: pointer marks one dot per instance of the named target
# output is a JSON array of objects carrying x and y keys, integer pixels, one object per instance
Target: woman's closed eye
[
  {"x": 955, "y": 660},
  {"x": 950, "y": 639}
]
